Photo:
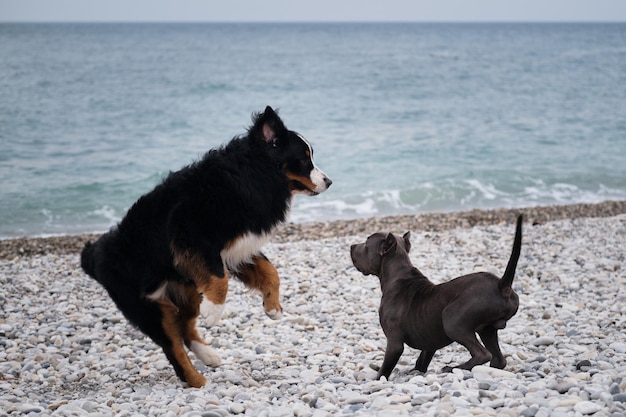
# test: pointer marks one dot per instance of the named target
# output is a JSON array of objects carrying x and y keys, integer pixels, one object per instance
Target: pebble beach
[{"x": 65, "y": 350}]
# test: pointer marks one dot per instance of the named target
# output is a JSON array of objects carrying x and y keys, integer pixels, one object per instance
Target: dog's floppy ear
[
  {"x": 388, "y": 244},
  {"x": 407, "y": 241}
]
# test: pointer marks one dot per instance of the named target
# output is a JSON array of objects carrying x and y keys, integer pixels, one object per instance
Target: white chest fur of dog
[
  {"x": 243, "y": 250},
  {"x": 239, "y": 253}
]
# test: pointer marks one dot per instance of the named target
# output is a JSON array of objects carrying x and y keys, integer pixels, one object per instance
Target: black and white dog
[{"x": 178, "y": 243}]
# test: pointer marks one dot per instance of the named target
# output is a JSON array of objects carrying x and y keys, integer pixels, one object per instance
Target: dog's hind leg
[
  {"x": 489, "y": 336},
  {"x": 455, "y": 319},
  {"x": 262, "y": 275},
  {"x": 424, "y": 360},
  {"x": 468, "y": 339},
  {"x": 174, "y": 350},
  {"x": 211, "y": 286},
  {"x": 189, "y": 308}
]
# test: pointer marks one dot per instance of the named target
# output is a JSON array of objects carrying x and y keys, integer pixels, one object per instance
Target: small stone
[
  {"x": 357, "y": 399},
  {"x": 482, "y": 373},
  {"x": 211, "y": 413},
  {"x": 5, "y": 328},
  {"x": 242, "y": 396},
  {"x": 544, "y": 341},
  {"x": 399, "y": 398},
  {"x": 587, "y": 407},
  {"x": 484, "y": 385},
  {"x": 530, "y": 412},
  {"x": 606, "y": 398},
  {"x": 582, "y": 364},
  {"x": 420, "y": 399},
  {"x": 29, "y": 408},
  {"x": 619, "y": 347},
  {"x": 564, "y": 386},
  {"x": 57, "y": 404}
]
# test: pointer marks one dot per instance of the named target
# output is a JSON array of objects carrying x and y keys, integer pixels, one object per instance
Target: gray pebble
[
  {"x": 211, "y": 413},
  {"x": 621, "y": 397},
  {"x": 530, "y": 412}
]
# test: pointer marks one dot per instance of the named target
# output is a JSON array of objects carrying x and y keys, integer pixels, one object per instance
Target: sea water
[{"x": 405, "y": 118}]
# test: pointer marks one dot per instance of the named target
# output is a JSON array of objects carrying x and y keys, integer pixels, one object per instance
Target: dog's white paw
[
  {"x": 211, "y": 312},
  {"x": 274, "y": 314},
  {"x": 207, "y": 355}
]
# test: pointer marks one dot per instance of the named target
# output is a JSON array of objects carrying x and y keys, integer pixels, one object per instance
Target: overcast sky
[{"x": 311, "y": 10}]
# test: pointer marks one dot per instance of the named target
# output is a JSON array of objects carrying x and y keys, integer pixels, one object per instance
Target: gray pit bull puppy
[{"x": 428, "y": 317}]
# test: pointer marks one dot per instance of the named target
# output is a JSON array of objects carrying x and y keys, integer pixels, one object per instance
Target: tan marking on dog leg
[
  {"x": 216, "y": 290},
  {"x": 262, "y": 276},
  {"x": 172, "y": 327},
  {"x": 212, "y": 306},
  {"x": 198, "y": 346},
  {"x": 213, "y": 288},
  {"x": 194, "y": 267},
  {"x": 189, "y": 308}
]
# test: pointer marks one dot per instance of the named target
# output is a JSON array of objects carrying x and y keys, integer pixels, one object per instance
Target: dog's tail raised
[{"x": 506, "y": 283}]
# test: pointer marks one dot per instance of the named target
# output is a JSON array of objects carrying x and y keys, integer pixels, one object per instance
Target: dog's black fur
[
  {"x": 208, "y": 219},
  {"x": 428, "y": 317}
]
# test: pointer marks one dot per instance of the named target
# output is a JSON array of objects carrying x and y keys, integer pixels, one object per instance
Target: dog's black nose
[{"x": 328, "y": 182}]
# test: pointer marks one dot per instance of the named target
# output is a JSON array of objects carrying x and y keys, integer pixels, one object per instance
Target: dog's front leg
[
  {"x": 392, "y": 355},
  {"x": 261, "y": 275},
  {"x": 214, "y": 296},
  {"x": 424, "y": 360}
]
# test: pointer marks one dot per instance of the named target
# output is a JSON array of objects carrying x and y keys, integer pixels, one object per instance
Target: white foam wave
[
  {"x": 449, "y": 196},
  {"x": 108, "y": 213}
]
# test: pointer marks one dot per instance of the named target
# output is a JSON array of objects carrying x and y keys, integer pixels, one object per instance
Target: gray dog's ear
[
  {"x": 388, "y": 244},
  {"x": 407, "y": 241}
]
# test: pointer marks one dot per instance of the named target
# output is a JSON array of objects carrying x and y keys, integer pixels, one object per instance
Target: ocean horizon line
[{"x": 318, "y": 22}]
